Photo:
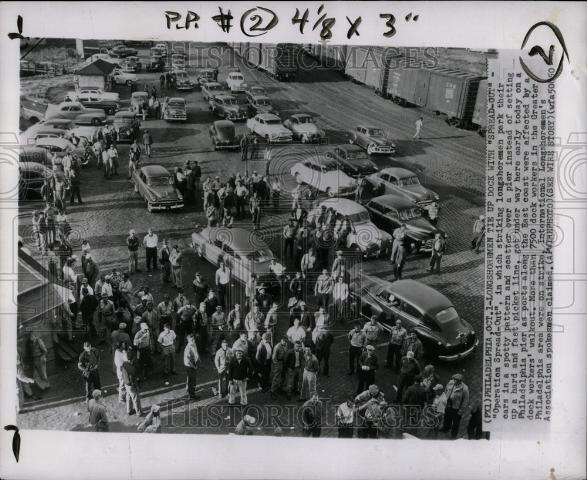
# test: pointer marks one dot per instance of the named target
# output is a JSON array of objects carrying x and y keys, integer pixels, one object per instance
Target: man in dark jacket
[
  {"x": 263, "y": 358},
  {"x": 324, "y": 341},
  {"x": 239, "y": 372},
  {"x": 408, "y": 370},
  {"x": 368, "y": 364},
  {"x": 131, "y": 384},
  {"x": 312, "y": 417}
]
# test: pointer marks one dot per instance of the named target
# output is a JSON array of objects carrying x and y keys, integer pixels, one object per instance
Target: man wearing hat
[
  {"x": 478, "y": 233},
  {"x": 408, "y": 370},
  {"x": 367, "y": 407},
  {"x": 415, "y": 345},
  {"x": 105, "y": 314},
  {"x": 98, "y": 418},
  {"x": 263, "y": 360},
  {"x": 277, "y": 364},
  {"x": 368, "y": 364},
  {"x": 438, "y": 249},
  {"x": 91, "y": 270},
  {"x": 119, "y": 335},
  {"x": 457, "y": 402},
  {"x": 143, "y": 343},
  {"x": 130, "y": 379}
]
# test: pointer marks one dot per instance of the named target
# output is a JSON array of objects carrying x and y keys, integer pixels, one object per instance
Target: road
[{"x": 448, "y": 160}]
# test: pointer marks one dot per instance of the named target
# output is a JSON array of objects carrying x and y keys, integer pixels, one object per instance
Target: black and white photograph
[
  {"x": 320, "y": 240},
  {"x": 247, "y": 238}
]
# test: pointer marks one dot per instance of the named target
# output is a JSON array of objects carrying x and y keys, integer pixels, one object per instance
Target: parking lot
[{"x": 448, "y": 160}]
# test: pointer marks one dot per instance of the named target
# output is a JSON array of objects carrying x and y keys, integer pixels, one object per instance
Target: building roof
[{"x": 97, "y": 67}]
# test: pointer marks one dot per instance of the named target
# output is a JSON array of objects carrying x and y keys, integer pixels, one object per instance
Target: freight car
[
  {"x": 280, "y": 60},
  {"x": 331, "y": 56},
  {"x": 371, "y": 65},
  {"x": 480, "y": 111}
]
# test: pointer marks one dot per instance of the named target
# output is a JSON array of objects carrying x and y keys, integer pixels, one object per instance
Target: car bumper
[
  {"x": 280, "y": 139},
  {"x": 165, "y": 206},
  {"x": 176, "y": 117},
  {"x": 236, "y": 116},
  {"x": 227, "y": 146},
  {"x": 384, "y": 149},
  {"x": 458, "y": 356}
]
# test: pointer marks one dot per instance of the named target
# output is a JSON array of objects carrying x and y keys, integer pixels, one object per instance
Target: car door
[
  {"x": 408, "y": 314},
  {"x": 393, "y": 185},
  {"x": 214, "y": 249},
  {"x": 369, "y": 304},
  {"x": 143, "y": 189}
]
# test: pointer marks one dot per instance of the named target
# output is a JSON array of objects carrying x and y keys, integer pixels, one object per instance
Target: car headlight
[{"x": 436, "y": 197}]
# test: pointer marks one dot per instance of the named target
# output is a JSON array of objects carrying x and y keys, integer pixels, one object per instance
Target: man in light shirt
[
  {"x": 371, "y": 330},
  {"x": 222, "y": 283},
  {"x": 167, "y": 341},
  {"x": 345, "y": 418},
  {"x": 150, "y": 243},
  {"x": 323, "y": 287},
  {"x": 296, "y": 333},
  {"x": 340, "y": 295}
]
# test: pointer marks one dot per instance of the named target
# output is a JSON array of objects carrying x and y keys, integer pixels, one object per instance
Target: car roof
[
  {"x": 393, "y": 201},
  {"x": 70, "y": 104},
  {"x": 343, "y": 206},
  {"x": 176, "y": 99},
  {"x": 223, "y": 124},
  {"x": 426, "y": 298},
  {"x": 398, "y": 172},
  {"x": 139, "y": 94},
  {"x": 155, "y": 171},
  {"x": 242, "y": 240},
  {"x": 268, "y": 116},
  {"x": 225, "y": 96},
  {"x": 301, "y": 115},
  {"x": 34, "y": 166},
  {"x": 124, "y": 114},
  {"x": 59, "y": 142},
  {"x": 212, "y": 84},
  {"x": 260, "y": 97}
]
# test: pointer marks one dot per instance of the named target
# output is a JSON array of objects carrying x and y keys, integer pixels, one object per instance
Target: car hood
[
  {"x": 163, "y": 192},
  {"x": 420, "y": 229},
  {"x": 110, "y": 96},
  {"x": 367, "y": 233},
  {"x": 280, "y": 129},
  {"x": 235, "y": 108},
  {"x": 418, "y": 193},
  {"x": 380, "y": 141}
]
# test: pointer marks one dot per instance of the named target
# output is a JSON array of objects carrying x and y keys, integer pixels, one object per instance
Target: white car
[
  {"x": 304, "y": 129},
  {"x": 92, "y": 91},
  {"x": 269, "y": 127},
  {"x": 235, "y": 80},
  {"x": 322, "y": 173},
  {"x": 364, "y": 236},
  {"x": 123, "y": 78}
]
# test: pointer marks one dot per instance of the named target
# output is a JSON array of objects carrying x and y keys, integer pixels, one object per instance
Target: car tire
[
  {"x": 329, "y": 192},
  {"x": 96, "y": 121},
  {"x": 110, "y": 111}
]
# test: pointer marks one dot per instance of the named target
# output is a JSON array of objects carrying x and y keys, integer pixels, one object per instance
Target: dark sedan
[
  {"x": 156, "y": 185},
  {"x": 32, "y": 177},
  {"x": 353, "y": 161},
  {"x": 444, "y": 334},
  {"x": 389, "y": 212},
  {"x": 124, "y": 123},
  {"x": 223, "y": 135}
]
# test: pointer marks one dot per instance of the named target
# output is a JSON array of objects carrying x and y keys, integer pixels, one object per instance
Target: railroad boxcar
[
  {"x": 453, "y": 93},
  {"x": 280, "y": 60},
  {"x": 480, "y": 111},
  {"x": 407, "y": 86},
  {"x": 355, "y": 63},
  {"x": 333, "y": 56}
]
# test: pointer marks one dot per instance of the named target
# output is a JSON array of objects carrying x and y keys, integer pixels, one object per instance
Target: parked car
[
  {"x": 404, "y": 183},
  {"x": 207, "y": 75},
  {"x": 157, "y": 187},
  {"x": 135, "y": 61},
  {"x": 243, "y": 251},
  {"x": 260, "y": 104},
  {"x": 182, "y": 81},
  {"x": 174, "y": 109},
  {"x": 59, "y": 146},
  {"x": 322, "y": 174},
  {"x": 353, "y": 161},
  {"x": 32, "y": 177},
  {"x": 269, "y": 127},
  {"x": 61, "y": 123},
  {"x": 162, "y": 47},
  {"x": 120, "y": 77},
  {"x": 209, "y": 89},
  {"x": 304, "y": 128},
  {"x": 156, "y": 64},
  {"x": 99, "y": 93},
  {"x": 223, "y": 135},
  {"x": 391, "y": 211},
  {"x": 443, "y": 333},
  {"x": 252, "y": 90},
  {"x": 131, "y": 67},
  {"x": 137, "y": 100},
  {"x": 31, "y": 135},
  {"x": 77, "y": 112},
  {"x": 226, "y": 106},
  {"x": 372, "y": 139},
  {"x": 122, "y": 51},
  {"x": 32, "y": 111},
  {"x": 94, "y": 100},
  {"x": 32, "y": 154},
  {"x": 364, "y": 238},
  {"x": 234, "y": 80},
  {"x": 123, "y": 124},
  {"x": 86, "y": 133}
]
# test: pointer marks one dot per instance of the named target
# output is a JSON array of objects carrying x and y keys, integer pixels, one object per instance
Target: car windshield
[
  {"x": 160, "y": 181},
  {"x": 376, "y": 132},
  {"x": 409, "y": 181},
  {"x": 356, "y": 155},
  {"x": 237, "y": 77},
  {"x": 182, "y": 77},
  {"x": 410, "y": 213},
  {"x": 359, "y": 217},
  {"x": 328, "y": 167},
  {"x": 446, "y": 316},
  {"x": 263, "y": 102},
  {"x": 230, "y": 101},
  {"x": 305, "y": 120},
  {"x": 272, "y": 121},
  {"x": 241, "y": 100},
  {"x": 176, "y": 104},
  {"x": 214, "y": 87}
]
